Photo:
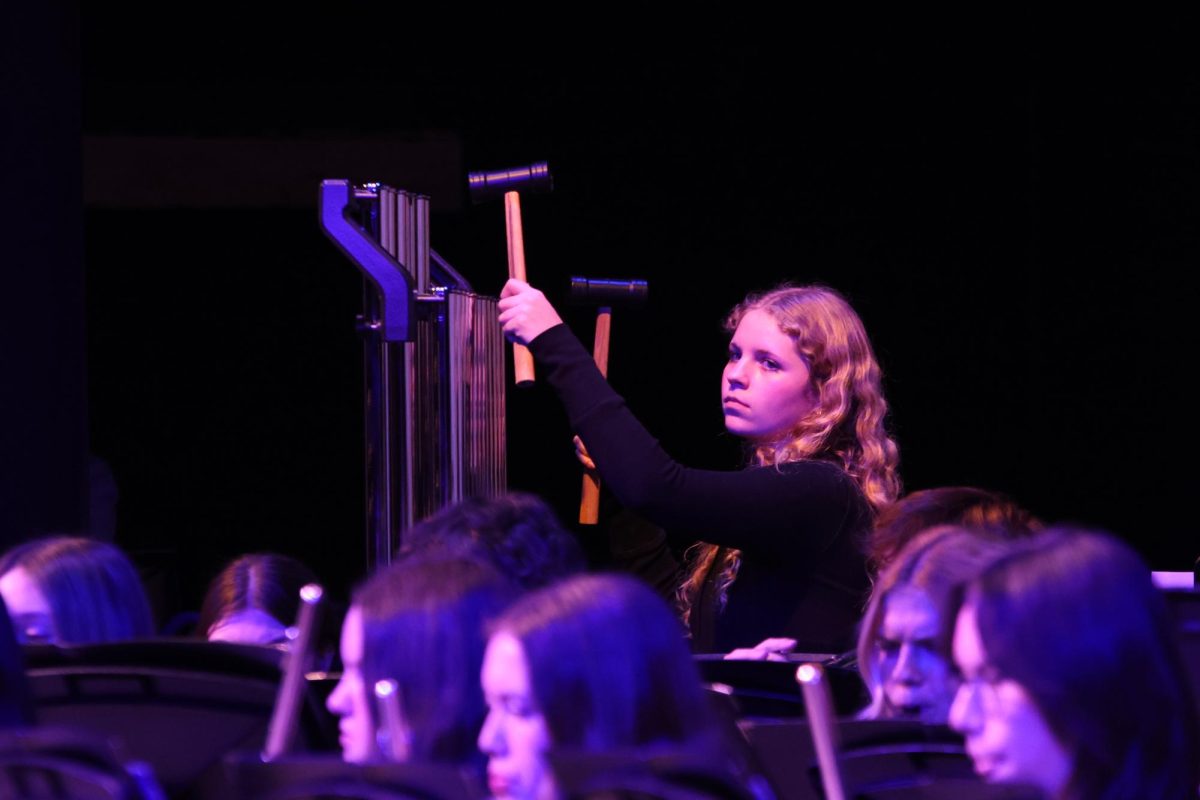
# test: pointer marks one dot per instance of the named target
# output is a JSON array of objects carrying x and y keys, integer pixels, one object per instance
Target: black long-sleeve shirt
[{"x": 800, "y": 526}]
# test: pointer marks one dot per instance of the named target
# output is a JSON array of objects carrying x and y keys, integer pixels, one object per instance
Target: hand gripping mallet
[
  {"x": 510, "y": 182},
  {"x": 604, "y": 294}
]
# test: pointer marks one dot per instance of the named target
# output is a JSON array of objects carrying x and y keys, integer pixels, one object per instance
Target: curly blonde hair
[{"x": 844, "y": 426}]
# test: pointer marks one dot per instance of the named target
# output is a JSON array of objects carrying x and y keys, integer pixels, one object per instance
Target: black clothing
[{"x": 799, "y": 526}]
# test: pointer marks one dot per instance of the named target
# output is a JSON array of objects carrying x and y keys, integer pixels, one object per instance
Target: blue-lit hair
[
  {"x": 1075, "y": 620},
  {"x": 94, "y": 592},
  {"x": 608, "y": 664},
  {"x": 517, "y": 532},
  {"x": 423, "y": 626}
]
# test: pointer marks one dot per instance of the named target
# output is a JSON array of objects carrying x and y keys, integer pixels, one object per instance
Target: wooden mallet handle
[
  {"x": 522, "y": 358},
  {"x": 589, "y": 500}
]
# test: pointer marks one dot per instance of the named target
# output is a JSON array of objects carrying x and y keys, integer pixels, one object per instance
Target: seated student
[
  {"x": 70, "y": 590},
  {"x": 594, "y": 663},
  {"x": 253, "y": 599},
  {"x": 966, "y": 506},
  {"x": 900, "y": 522},
  {"x": 1071, "y": 680},
  {"x": 419, "y": 622},
  {"x": 517, "y": 532},
  {"x": 904, "y": 642}
]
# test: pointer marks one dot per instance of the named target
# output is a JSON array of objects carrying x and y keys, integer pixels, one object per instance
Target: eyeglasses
[{"x": 983, "y": 684}]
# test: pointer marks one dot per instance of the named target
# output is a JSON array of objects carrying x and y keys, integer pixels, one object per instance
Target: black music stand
[
  {"x": 69, "y": 764},
  {"x": 661, "y": 772},
  {"x": 768, "y": 688},
  {"x": 310, "y": 777},
  {"x": 178, "y": 705},
  {"x": 880, "y": 760}
]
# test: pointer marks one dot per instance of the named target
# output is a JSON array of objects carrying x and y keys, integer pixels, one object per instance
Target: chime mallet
[
  {"x": 510, "y": 183},
  {"x": 604, "y": 293}
]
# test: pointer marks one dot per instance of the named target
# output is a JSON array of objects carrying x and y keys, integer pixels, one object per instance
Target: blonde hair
[{"x": 844, "y": 426}]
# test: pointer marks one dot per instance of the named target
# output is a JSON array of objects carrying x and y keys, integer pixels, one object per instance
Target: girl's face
[
  {"x": 918, "y": 683},
  {"x": 514, "y": 735},
  {"x": 30, "y": 612},
  {"x": 766, "y": 388},
  {"x": 349, "y": 701},
  {"x": 1007, "y": 737}
]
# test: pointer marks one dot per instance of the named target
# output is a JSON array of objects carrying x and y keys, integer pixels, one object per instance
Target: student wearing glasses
[{"x": 1071, "y": 678}]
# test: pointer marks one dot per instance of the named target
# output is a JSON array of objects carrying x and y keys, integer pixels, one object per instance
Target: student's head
[
  {"x": 802, "y": 382},
  {"x": 965, "y": 506},
  {"x": 1071, "y": 677},
  {"x": 419, "y": 622},
  {"x": 72, "y": 590},
  {"x": 253, "y": 599},
  {"x": 592, "y": 663},
  {"x": 517, "y": 532},
  {"x": 904, "y": 643}
]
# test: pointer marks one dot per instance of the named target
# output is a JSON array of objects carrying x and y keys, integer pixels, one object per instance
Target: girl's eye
[
  {"x": 734, "y": 355},
  {"x": 990, "y": 675},
  {"x": 771, "y": 364},
  {"x": 518, "y": 708},
  {"x": 889, "y": 646}
]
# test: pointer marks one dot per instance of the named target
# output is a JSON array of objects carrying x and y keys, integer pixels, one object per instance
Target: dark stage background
[{"x": 1016, "y": 224}]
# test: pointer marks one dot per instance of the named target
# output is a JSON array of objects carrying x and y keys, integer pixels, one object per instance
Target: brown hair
[
  {"x": 264, "y": 581},
  {"x": 977, "y": 509}
]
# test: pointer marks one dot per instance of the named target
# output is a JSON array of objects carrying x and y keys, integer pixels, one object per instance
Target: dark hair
[
  {"x": 93, "y": 590},
  {"x": 1075, "y": 619},
  {"x": 965, "y": 506},
  {"x": 423, "y": 627},
  {"x": 264, "y": 581},
  {"x": 608, "y": 664},
  {"x": 517, "y": 532}
]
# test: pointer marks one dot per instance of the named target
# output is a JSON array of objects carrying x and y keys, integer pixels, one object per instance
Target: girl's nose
[
  {"x": 490, "y": 741},
  {"x": 907, "y": 669},
  {"x": 735, "y": 374},
  {"x": 336, "y": 702},
  {"x": 964, "y": 711}
]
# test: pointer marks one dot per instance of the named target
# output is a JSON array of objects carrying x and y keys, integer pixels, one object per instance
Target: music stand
[
  {"x": 879, "y": 759},
  {"x": 305, "y": 777},
  {"x": 668, "y": 772},
  {"x": 768, "y": 688},
  {"x": 179, "y": 705},
  {"x": 53, "y": 763}
]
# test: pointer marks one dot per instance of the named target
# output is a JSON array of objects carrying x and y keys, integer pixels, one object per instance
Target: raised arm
[{"x": 798, "y": 508}]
